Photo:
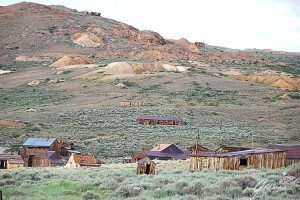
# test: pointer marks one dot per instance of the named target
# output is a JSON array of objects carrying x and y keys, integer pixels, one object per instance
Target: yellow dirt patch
[
  {"x": 70, "y": 60},
  {"x": 284, "y": 82}
]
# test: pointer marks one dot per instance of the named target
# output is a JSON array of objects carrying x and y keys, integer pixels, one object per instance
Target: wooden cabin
[
  {"x": 255, "y": 158},
  {"x": 153, "y": 120},
  {"x": 11, "y": 161},
  {"x": 197, "y": 149},
  {"x": 38, "y": 148},
  {"x": 145, "y": 166},
  {"x": 166, "y": 152},
  {"x": 78, "y": 160},
  {"x": 132, "y": 103},
  {"x": 226, "y": 149},
  {"x": 292, "y": 152}
]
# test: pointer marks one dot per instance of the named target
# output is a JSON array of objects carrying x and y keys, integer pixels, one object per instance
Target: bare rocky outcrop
[{"x": 87, "y": 39}]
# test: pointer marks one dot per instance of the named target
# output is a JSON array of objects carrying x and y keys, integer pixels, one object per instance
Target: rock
[
  {"x": 30, "y": 110},
  {"x": 121, "y": 85},
  {"x": 34, "y": 83},
  {"x": 59, "y": 72}
]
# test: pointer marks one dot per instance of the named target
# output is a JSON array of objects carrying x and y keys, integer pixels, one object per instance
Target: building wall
[
  {"x": 38, "y": 161},
  {"x": 71, "y": 163},
  {"x": 14, "y": 165},
  {"x": 266, "y": 160},
  {"x": 26, "y": 152},
  {"x": 292, "y": 161}
]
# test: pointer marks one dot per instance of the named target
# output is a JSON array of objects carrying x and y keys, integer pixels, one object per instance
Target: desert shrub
[
  {"x": 246, "y": 182},
  {"x": 294, "y": 170},
  {"x": 130, "y": 83},
  {"x": 90, "y": 195},
  {"x": 52, "y": 29},
  {"x": 128, "y": 191}
]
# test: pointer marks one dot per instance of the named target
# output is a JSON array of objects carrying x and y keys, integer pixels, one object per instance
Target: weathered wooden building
[
  {"x": 34, "y": 151},
  {"x": 78, "y": 160},
  {"x": 197, "y": 149},
  {"x": 145, "y": 166},
  {"x": 11, "y": 161},
  {"x": 226, "y": 149},
  {"x": 153, "y": 120},
  {"x": 292, "y": 152},
  {"x": 132, "y": 103},
  {"x": 255, "y": 158},
  {"x": 166, "y": 152}
]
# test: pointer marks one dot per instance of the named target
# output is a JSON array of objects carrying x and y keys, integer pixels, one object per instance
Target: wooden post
[{"x": 1, "y": 195}]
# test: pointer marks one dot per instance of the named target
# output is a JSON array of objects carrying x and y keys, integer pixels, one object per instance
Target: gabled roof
[
  {"x": 54, "y": 157},
  {"x": 292, "y": 151},
  {"x": 84, "y": 160},
  {"x": 160, "y": 147},
  {"x": 39, "y": 142}
]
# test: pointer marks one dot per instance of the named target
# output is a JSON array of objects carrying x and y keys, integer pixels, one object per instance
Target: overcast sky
[{"x": 272, "y": 24}]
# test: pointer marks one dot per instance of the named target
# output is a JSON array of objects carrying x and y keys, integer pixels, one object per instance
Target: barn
[
  {"x": 292, "y": 152},
  {"x": 11, "y": 161},
  {"x": 78, "y": 160},
  {"x": 145, "y": 166},
  {"x": 166, "y": 152},
  {"x": 34, "y": 151},
  {"x": 153, "y": 120},
  {"x": 255, "y": 158}
]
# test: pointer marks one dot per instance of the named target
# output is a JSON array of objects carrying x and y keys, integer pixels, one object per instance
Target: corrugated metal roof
[
  {"x": 292, "y": 151},
  {"x": 39, "y": 142},
  {"x": 237, "y": 153}
]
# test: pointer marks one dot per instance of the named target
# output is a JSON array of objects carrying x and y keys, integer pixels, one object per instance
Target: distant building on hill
[
  {"x": 132, "y": 103},
  {"x": 153, "y": 120}
]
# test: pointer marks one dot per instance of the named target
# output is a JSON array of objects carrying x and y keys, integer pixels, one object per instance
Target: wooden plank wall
[{"x": 264, "y": 160}]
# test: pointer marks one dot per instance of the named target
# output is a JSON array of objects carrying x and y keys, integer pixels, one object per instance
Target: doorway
[
  {"x": 147, "y": 168},
  {"x": 30, "y": 160},
  {"x": 3, "y": 164}
]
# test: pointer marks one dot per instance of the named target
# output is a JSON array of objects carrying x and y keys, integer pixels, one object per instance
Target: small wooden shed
[
  {"x": 153, "y": 120},
  {"x": 78, "y": 160},
  {"x": 132, "y": 103},
  {"x": 11, "y": 161},
  {"x": 145, "y": 166},
  {"x": 256, "y": 158}
]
